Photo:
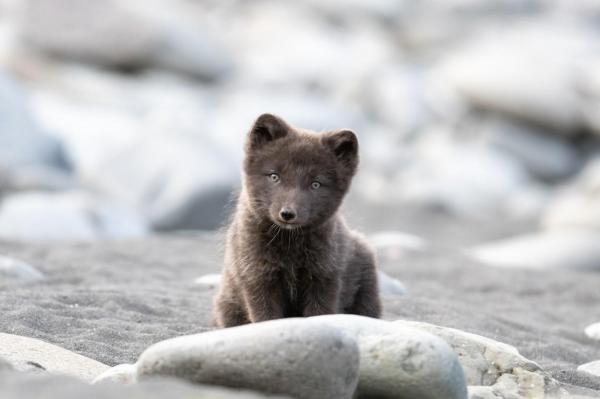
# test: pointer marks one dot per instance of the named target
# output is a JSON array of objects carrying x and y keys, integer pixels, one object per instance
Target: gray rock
[
  {"x": 588, "y": 90},
  {"x": 381, "y": 9},
  {"x": 290, "y": 356},
  {"x": 185, "y": 48},
  {"x": 5, "y": 365},
  {"x": 497, "y": 366},
  {"x": 70, "y": 215},
  {"x": 431, "y": 25},
  {"x": 211, "y": 281},
  {"x": 429, "y": 368},
  {"x": 25, "y": 354},
  {"x": 129, "y": 35},
  {"x": 484, "y": 360},
  {"x": 261, "y": 38},
  {"x": 162, "y": 158},
  {"x": 593, "y": 331},
  {"x": 578, "y": 205},
  {"x": 36, "y": 177},
  {"x": 547, "y": 157},
  {"x": 122, "y": 374},
  {"x": 554, "y": 249},
  {"x": 24, "y": 385},
  {"x": 592, "y": 368},
  {"x": 462, "y": 177},
  {"x": 495, "y": 73},
  {"x": 60, "y": 28},
  {"x": 394, "y": 246},
  {"x": 506, "y": 387},
  {"x": 14, "y": 269},
  {"x": 479, "y": 392},
  {"x": 573, "y": 209},
  {"x": 515, "y": 386},
  {"x": 397, "y": 361},
  {"x": 396, "y": 88},
  {"x": 22, "y": 143},
  {"x": 384, "y": 240},
  {"x": 181, "y": 181},
  {"x": 389, "y": 286}
]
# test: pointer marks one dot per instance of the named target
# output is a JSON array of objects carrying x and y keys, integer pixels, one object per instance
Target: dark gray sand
[{"x": 111, "y": 300}]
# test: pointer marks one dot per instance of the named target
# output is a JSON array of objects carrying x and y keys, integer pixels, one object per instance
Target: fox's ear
[
  {"x": 344, "y": 145},
  {"x": 267, "y": 128}
]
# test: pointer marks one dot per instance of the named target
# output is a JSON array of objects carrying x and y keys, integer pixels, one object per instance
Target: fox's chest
[
  {"x": 295, "y": 273},
  {"x": 291, "y": 255},
  {"x": 293, "y": 283}
]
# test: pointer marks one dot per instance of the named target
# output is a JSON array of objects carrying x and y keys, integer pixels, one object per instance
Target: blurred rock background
[{"x": 479, "y": 121}]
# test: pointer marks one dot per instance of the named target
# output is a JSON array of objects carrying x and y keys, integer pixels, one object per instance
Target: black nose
[{"x": 287, "y": 214}]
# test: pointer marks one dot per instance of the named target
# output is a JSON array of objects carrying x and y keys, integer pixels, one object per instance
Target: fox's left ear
[
  {"x": 344, "y": 145},
  {"x": 266, "y": 128}
]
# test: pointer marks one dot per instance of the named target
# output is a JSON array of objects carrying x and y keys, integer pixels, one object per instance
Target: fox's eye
[
  {"x": 314, "y": 185},
  {"x": 274, "y": 177}
]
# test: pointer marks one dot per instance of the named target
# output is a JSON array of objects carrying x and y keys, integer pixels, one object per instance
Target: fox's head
[{"x": 297, "y": 178}]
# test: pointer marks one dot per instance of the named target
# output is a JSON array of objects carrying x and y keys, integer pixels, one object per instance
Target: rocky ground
[
  {"x": 109, "y": 301},
  {"x": 115, "y": 134}
]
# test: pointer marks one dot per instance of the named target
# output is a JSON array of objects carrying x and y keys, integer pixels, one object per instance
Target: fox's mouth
[{"x": 287, "y": 225}]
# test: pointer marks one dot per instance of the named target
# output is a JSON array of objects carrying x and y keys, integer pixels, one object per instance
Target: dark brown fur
[{"x": 311, "y": 266}]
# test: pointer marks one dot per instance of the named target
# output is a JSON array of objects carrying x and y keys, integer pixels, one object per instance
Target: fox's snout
[{"x": 287, "y": 214}]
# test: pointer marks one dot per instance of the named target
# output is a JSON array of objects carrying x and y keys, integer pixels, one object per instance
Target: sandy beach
[{"x": 111, "y": 300}]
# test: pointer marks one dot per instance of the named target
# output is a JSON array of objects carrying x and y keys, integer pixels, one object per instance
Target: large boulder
[
  {"x": 401, "y": 362},
  {"x": 464, "y": 177},
  {"x": 433, "y": 26},
  {"x": 484, "y": 362},
  {"x": 546, "y": 157},
  {"x": 26, "y": 152},
  {"x": 483, "y": 359},
  {"x": 396, "y": 96},
  {"x": 385, "y": 10},
  {"x": 395, "y": 362},
  {"x": 500, "y": 71},
  {"x": 290, "y": 357},
  {"x": 493, "y": 367},
  {"x": 69, "y": 215},
  {"x": 154, "y": 149},
  {"x": 176, "y": 181},
  {"x": 129, "y": 34},
  {"x": 25, "y": 354},
  {"x": 545, "y": 250},
  {"x": 273, "y": 42}
]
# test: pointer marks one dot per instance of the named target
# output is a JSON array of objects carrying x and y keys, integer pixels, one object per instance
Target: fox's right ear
[{"x": 267, "y": 128}]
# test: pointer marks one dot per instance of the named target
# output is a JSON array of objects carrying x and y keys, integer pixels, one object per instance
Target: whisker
[{"x": 278, "y": 229}]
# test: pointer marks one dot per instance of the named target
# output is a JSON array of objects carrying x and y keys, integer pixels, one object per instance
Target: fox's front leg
[
  {"x": 322, "y": 297},
  {"x": 263, "y": 299}
]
